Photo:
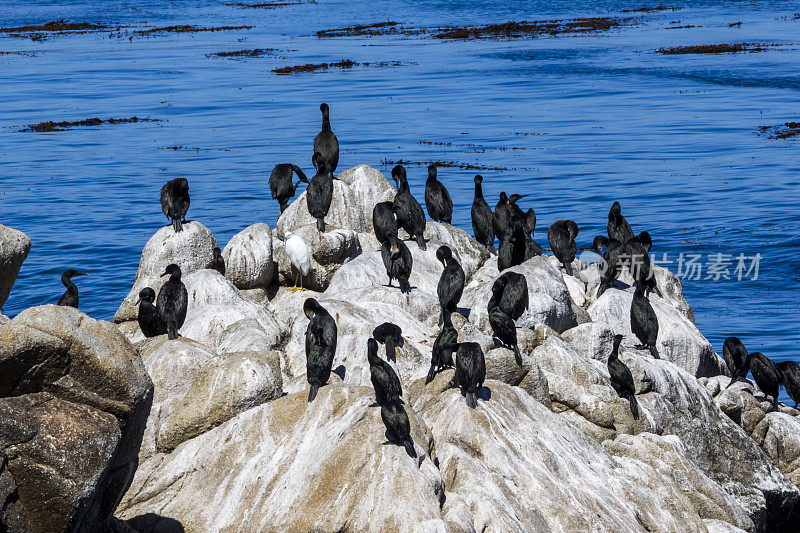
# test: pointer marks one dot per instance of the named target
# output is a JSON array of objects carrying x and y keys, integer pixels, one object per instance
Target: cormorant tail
[
  {"x": 172, "y": 331},
  {"x": 517, "y": 355},
  {"x": 404, "y": 286},
  {"x": 634, "y": 406},
  {"x": 471, "y": 401},
  {"x": 421, "y": 242},
  {"x": 409, "y": 446},
  {"x": 321, "y": 225},
  {"x": 657, "y": 290},
  {"x": 312, "y": 392},
  {"x": 431, "y": 374},
  {"x": 176, "y": 225},
  {"x": 390, "y": 352},
  {"x": 654, "y": 352},
  {"x": 602, "y": 288},
  {"x": 284, "y": 204},
  {"x": 568, "y": 268}
]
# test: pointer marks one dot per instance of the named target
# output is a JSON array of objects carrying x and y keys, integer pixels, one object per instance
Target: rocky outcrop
[
  {"x": 14, "y": 248},
  {"x": 74, "y": 399},
  {"x": 248, "y": 257}
]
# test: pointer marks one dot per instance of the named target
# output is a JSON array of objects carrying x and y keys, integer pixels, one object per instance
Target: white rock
[
  {"x": 329, "y": 251},
  {"x": 248, "y": 257}
]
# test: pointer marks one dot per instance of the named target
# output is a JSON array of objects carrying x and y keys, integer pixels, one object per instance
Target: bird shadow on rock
[
  {"x": 153, "y": 523},
  {"x": 340, "y": 371},
  {"x": 464, "y": 311},
  {"x": 484, "y": 393}
]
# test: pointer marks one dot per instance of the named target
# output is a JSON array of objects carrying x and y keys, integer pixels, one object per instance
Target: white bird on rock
[{"x": 300, "y": 256}]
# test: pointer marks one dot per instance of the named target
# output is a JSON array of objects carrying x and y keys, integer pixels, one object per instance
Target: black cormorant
[
  {"x": 637, "y": 253},
  {"x": 383, "y": 221},
  {"x": 149, "y": 318},
  {"x": 70, "y": 296},
  {"x": 410, "y": 215},
  {"x": 451, "y": 283},
  {"x": 175, "y": 201},
  {"x": 618, "y": 228},
  {"x": 280, "y": 183},
  {"x": 510, "y": 290},
  {"x": 391, "y": 335},
  {"x": 610, "y": 262},
  {"x": 443, "y": 347},
  {"x": 734, "y": 353},
  {"x": 482, "y": 217},
  {"x": 326, "y": 143},
  {"x": 504, "y": 328},
  {"x": 765, "y": 373},
  {"x": 470, "y": 370},
  {"x": 621, "y": 378},
  {"x": 437, "y": 199},
  {"x": 319, "y": 193},
  {"x": 398, "y": 262},
  {"x": 320, "y": 346},
  {"x": 561, "y": 236},
  {"x": 398, "y": 428},
  {"x": 172, "y": 301},
  {"x": 532, "y": 248},
  {"x": 513, "y": 247},
  {"x": 644, "y": 322},
  {"x": 383, "y": 377},
  {"x": 503, "y": 215},
  {"x": 790, "y": 378},
  {"x": 218, "y": 262}
]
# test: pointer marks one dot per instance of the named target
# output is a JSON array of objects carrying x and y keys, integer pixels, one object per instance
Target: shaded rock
[
  {"x": 191, "y": 249},
  {"x": 248, "y": 257},
  {"x": 246, "y": 335},
  {"x": 466, "y": 249},
  {"x": 14, "y": 248},
  {"x": 266, "y": 459},
  {"x": 329, "y": 251},
  {"x": 74, "y": 400}
]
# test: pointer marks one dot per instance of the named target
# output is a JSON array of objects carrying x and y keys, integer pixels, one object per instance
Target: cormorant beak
[
  {"x": 395, "y": 252},
  {"x": 138, "y": 301},
  {"x": 165, "y": 274},
  {"x": 81, "y": 274}
]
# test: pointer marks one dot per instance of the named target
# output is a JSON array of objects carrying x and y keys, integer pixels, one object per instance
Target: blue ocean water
[{"x": 577, "y": 121}]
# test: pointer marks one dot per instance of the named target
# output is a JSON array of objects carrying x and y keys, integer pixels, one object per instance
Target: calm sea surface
[{"x": 576, "y": 121}]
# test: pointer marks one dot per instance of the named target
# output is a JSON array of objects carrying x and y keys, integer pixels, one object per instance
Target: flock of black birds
[{"x": 513, "y": 227}]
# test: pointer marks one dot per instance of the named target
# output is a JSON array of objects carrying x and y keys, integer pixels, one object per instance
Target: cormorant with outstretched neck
[
  {"x": 451, "y": 282},
  {"x": 470, "y": 370},
  {"x": 503, "y": 325},
  {"x": 398, "y": 262},
  {"x": 149, "y": 318},
  {"x": 637, "y": 252},
  {"x": 70, "y": 296},
  {"x": 391, "y": 335},
  {"x": 218, "y": 262},
  {"x": 443, "y": 347},
  {"x": 644, "y": 322},
  {"x": 610, "y": 262},
  {"x": 383, "y": 221},
  {"x": 734, "y": 353},
  {"x": 321, "y": 336},
  {"x": 173, "y": 301},
  {"x": 511, "y": 293},
  {"x": 398, "y": 428},
  {"x": 383, "y": 377},
  {"x": 790, "y": 378},
  {"x": 410, "y": 215},
  {"x": 513, "y": 247},
  {"x": 319, "y": 193},
  {"x": 618, "y": 228},
  {"x": 437, "y": 199},
  {"x": 175, "y": 202},
  {"x": 765, "y": 373},
  {"x": 326, "y": 143},
  {"x": 532, "y": 247},
  {"x": 482, "y": 217},
  {"x": 280, "y": 183},
  {"x": 561, "y": 236},
  {"x": 621, "y": 377},
  {"x": 516, "y": 211}
]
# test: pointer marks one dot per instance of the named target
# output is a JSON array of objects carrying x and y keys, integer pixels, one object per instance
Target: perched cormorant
[
  {"x": 734, "y": 353},
  {"x": 410, "y": 215},
  {"x": 299, "y": 255},
  {"x": 532, "y": 247},
  {"x": 319, "y": 193},
  {"x": 516, "y": 211},
  {"x": 320, "y": 345},
  {"x": 172, "y": 301},
  {"x": 513, "y": 246},
  {"x": 391, "y": 335},
  {"x": 510, "y": 291},
  {"x": 790, "y": 378},
  {"x": 280, "y": 183},
  {"x": 621, "y": 378},
  {"x": 618, "y": 228},
  {"x": 383, "y": 221},
  {"x": 503, "y": 328},
  {"x": 326, "y": 143},
  {"x": 503, "y": 215},
  {"x": 70, "y": 296},
  {"x": 175, "y": 201},
  {"x": 610, "y": 262},
  {"x": 765, "y": 373},
  {"x": 398, "y": 428},
  {"x": 637, "y": 253},
  {"x": 398, "y": 262},
  {"x": 443, "y": 347},
  {"x": 149, "y": 318},
  {"x": 482, "y": 217},
  {"x": 437, "y": 199},
  {"x": 383, "y": 377},
  {"x": 218, "y": 262},
  {"x": 470, "y": 370},
  {"x": 644, "y": 322},
  {"x": 561, "y": 236},
  {"x": 451, "y": 283}
]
